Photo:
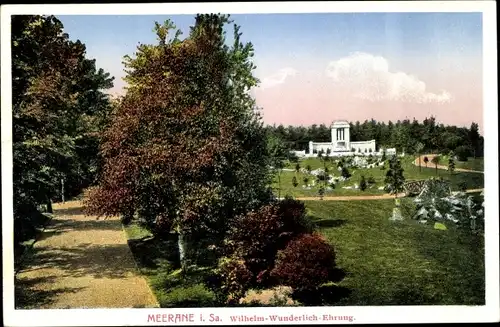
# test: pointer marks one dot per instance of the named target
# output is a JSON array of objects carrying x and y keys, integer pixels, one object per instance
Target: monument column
[{"x": 347, "y": 139}]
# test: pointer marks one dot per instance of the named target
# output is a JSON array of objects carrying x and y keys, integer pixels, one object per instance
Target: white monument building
[{"x": 341, "y": 144}]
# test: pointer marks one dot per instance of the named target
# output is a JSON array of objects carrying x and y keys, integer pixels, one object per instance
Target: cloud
[
  {"x": 368, "y": 77},
  {"x": 277, "y": 78}
]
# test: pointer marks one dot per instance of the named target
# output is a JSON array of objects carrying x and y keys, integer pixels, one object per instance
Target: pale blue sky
[
  {"x": 301, "y": 39},
  {"x": 435, "y": 59}
]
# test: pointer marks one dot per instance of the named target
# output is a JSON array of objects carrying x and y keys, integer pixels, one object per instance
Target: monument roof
[{"x": 340, "y": 122}]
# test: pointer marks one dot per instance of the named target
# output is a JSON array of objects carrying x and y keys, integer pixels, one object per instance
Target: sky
[{"x": 317, "y": 68}]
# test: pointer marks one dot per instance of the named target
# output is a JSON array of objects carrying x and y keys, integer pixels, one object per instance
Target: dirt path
[
  {"x": 82, "y": 262},
  {"x": 431, "y": 165}
]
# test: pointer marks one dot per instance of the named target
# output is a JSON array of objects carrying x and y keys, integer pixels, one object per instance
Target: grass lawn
[
  {"x": 471, "y": 163},
  {"x": 381, "y": 262},
  {"x": 411, "y": 172},
  {"x": 392, "y": 263},
  {"x": 157, "y": 260}
]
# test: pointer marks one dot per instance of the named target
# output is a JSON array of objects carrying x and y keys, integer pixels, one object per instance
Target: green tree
[
  {"x": 345, "y": 172},
  {"x": 278, "y": 153},
  {"x": 186, "y": 148},
  {"x": 362, "y": 184},
  {"x": 426, "y": 160},
  {"x": 294, "y": 181},
  {"x": 306, "y": 180},
  {"x": 58, "y": 110},
  {"x": 394, "y": 178},
  {"x": 451, "y": 162},
  {"x": 435, "y": 160},
  {"x": 321, "y": 192},
  {"x": 297, "y": 167},
  {"x": 418, "y": 148},
  {"x": 309, "y": 169}
]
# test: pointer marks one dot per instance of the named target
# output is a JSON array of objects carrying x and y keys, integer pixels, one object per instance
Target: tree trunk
[
  {"x": 183, "y": 248},
  {"x": 62, "y": 190},
  {"x": 419, "y": 165},
  {"x": 49, "y": 206},
  {"x": 279, "y": 184}
]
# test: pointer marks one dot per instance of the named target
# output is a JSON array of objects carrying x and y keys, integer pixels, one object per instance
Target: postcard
[{"x": 250, "y": 163}]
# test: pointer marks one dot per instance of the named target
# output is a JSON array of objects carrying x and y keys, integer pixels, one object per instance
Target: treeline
[{"x": 404, "y": 135}]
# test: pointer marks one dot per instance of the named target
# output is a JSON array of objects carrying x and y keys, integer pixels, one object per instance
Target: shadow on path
[
  {"x": 98, "y": 261},
  {"x": 27, "y": 296}
]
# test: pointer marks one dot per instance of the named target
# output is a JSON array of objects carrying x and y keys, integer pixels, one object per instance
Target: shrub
[
  {"x": 463, "y": 152},
  {"x": 462, "y": 186},
  {"x": 321, "y": 192},
  {"x": 437, "y": 204},
  {"x": 294, "y": 181},
  {"x": 231, "y": 280},
  {"x": 362, "y": 183},
  {"x": 307, "y": 262},
  {"x": 257, "y": 236},
  {"x": 345, "y": 172}
]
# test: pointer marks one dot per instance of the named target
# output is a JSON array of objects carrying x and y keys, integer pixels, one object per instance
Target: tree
[
  {"x": 384, "y": 157},
  {"x": 362, "y": 183},
  {"x": 345, "y": 172},
  {"x": 451, "y": 162},
  {"x": 394, "y": 177},
  {"x": 306, "y": 180},
  {"x": 58, "y": 109},
  {"x": 297, "y": 167},
  {"x": 419, "y": 147},
  {"x": 426, "y": 160},
  {"x": 278, "y": 152},
  {"x": 186, "y": 149},
  {"x": 308, "y": 168},
  {"x": 435, "y": 160},
  {"x": 294, "y": 181},
  {"x": 321, "y": 192}
]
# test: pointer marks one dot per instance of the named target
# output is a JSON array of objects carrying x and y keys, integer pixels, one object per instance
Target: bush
[
  {"x": 362, "y": 184},
  {"x": 231, "y": 280},
  {"x": 307, "y": 262},
  {"x": 257, "y": 236},
  {"x": 463, "y": 152},
  {"x": 345, "y": 172}
]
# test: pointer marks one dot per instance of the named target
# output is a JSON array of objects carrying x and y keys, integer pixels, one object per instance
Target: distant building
[{"x": 341, "y": 144}]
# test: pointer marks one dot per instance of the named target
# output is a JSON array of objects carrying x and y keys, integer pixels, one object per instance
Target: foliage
[
  {"x": 321, "y": 192},
  {"x": 254, "y": 240},
  {"x": 308, "y": 168},
  {"x": 426, "y": 160},
  {"x": 394, "y": 178},
  {"x": 437, "y": 204},
  {"x": 451, "y": 162},
  {"x": 463, "y": 152},
  {"x": 294, "y": 181},
  {"x": 186, "y": 148},
  {"x": 231, "y": 280},
  {"x": 435, "y": 160},
  {"x": 305, "y": 263},
  {"x": 58, "y": 109},
  {"x": 345, "y": 172},
  {"x": 371, "y": 180},
  {"x": 362, "y": 184},
  {"x": 306, "y": 180},
  {"x": 297, "y": 167}
]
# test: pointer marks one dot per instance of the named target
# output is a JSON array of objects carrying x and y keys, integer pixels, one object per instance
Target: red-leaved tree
[{"x": 186, "y": 150}]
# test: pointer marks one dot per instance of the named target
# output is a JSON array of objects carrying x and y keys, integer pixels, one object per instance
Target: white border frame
[{"x": 383, "y": 314}]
